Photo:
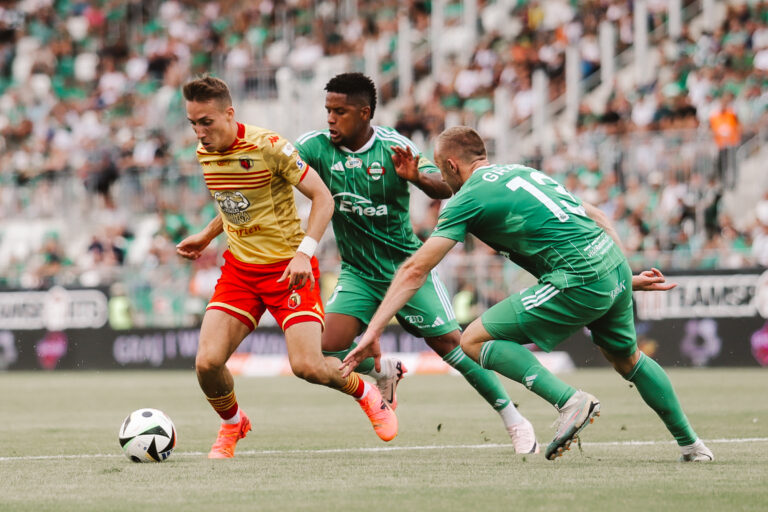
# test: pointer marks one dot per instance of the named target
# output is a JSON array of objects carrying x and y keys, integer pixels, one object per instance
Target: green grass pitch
[{"x": 313, "y": 449}]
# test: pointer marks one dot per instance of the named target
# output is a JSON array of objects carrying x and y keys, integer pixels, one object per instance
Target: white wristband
[{"x": 308, "y": 246}]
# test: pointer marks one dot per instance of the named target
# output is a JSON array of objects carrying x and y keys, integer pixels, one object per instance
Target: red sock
[
  {"x": 355, "y": 386},
  {"x": 225, "y": 406}
]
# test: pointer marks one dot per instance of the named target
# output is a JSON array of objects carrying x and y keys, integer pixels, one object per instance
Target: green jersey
[
  {"x": 371, "y": 217},
  {"x": 532, "y": 220}
]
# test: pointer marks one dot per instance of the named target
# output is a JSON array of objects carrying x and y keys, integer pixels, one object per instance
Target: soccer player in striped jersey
[
  {"x": 368, "y": 170},
  {"x": 269, "y": 263},
  {"x": 584, "y": 280}
]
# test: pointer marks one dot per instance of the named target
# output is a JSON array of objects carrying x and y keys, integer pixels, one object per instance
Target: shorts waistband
[{"x": 265, "y": 267}]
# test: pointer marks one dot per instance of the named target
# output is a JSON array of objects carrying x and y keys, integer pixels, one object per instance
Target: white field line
[{"x": 379, "y": 449}]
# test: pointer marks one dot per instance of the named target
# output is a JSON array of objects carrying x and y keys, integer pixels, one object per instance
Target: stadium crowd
[{"x": 94, "y": 147}]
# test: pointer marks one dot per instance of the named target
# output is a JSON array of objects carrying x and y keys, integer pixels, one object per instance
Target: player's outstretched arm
[
  {"x": 651, "y": 280},
  {"x": 299, "y": 270},
  {"x": 407, "y": 167},
  {"x": 408, "y": 279},
  {"x": 192, "y": 246}
]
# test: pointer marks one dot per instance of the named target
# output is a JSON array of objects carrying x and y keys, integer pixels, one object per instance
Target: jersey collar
[
  {"x": 240, "y": 135},
  {"x": 365, "y": 147}
]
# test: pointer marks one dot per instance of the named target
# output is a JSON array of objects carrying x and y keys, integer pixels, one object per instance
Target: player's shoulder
[
  {"x": 262, "y": 138},
  {"x": 392, "y": 137},
  {"x": 267, "y": 140},
  {"x": 314, "y": 137}
]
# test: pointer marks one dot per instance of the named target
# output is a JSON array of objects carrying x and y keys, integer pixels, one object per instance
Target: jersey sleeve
[
  {"x": 455, "y": 221},
  {"x": 427, "y": 166},
  {"x": 284, "y": 159},
  {"x": 304, "y": 147}
]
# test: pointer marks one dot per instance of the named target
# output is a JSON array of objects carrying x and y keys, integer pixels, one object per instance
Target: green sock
[
  {"x": 655, "y": 388},
  {"x": 519, "y": 364},
  {"x": 484, "y": 381},
  {"x": 364, "y": 367}
]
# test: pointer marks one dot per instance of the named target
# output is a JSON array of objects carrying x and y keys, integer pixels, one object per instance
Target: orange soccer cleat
[
  {"x": 229, "y": 435},
  {"x": 380, "y": 413}
]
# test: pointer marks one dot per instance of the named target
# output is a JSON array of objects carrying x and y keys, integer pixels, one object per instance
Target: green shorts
[
  {"x": 429, "y": 313},
  {"x": 546, "y": 316}
]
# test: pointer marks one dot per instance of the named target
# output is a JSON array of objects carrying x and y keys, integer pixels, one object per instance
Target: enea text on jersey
[{"x": 359, "y": 205}]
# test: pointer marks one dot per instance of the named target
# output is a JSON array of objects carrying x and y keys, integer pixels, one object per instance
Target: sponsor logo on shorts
[
  {"x": 616, "y": 291},
  {"x": 420, "y": 322}
]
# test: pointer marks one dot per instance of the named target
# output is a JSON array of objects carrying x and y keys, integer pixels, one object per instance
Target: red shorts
[{"x": 245, "y": 291}]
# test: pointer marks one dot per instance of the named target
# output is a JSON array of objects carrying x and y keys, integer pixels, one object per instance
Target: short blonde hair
[{"x": 461, "y": 142}]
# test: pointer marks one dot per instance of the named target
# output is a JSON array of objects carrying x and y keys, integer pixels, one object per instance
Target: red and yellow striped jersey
[{"x": 252, "y": 183}]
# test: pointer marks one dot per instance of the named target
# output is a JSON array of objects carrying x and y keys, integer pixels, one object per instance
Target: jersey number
[{"x": 542, "y": 180}]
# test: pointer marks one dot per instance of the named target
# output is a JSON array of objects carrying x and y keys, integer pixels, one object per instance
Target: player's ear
[{"x": 365, "y": 113}]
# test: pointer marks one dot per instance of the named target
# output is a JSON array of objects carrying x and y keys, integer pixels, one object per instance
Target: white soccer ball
[{"x": 147, "y": 435}]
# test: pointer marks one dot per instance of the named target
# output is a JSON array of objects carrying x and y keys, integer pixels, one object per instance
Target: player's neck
[
  {"x": 232, "y": 136},
  {"x": 361, "y": 139},
  {"x": 477, "y": 164}
]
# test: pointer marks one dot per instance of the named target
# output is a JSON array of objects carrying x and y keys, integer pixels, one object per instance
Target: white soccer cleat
[
  {"x": 578, "y": 412},
  {"x": 392, "y": 371},
  {"x": 696, "y": 452},
  {"x": 523, "y": 437}
]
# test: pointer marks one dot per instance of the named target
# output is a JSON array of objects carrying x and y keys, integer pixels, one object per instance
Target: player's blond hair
[{"x": 461, "y": 142}]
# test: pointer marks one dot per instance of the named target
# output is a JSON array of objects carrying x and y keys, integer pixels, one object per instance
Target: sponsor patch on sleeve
[{"x": 288, "y": 149}]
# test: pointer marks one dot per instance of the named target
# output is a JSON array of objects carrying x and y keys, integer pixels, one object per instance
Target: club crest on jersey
[
  {"x": 353, "y": 163},
  {"x": 246, "y": 163},
  {"x": 233, "y": 204},
  {"x": 294, "y": 300},
  {"x": 375, "y": 171}
]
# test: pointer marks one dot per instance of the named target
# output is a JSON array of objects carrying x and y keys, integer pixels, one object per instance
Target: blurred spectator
[
  {"x": 726, "y": 130},
  {"x": 120, "y": 309},
  {"x": 465, "y": 303}
]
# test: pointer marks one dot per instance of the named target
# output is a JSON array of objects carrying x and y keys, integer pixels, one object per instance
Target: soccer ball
[{"x": 147, "y": 435}]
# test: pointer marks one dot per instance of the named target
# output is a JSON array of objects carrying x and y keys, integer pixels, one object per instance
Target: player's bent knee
[
  {"x": 207, "y": 364},
  {"x": 471, "y": 347},
  {"x": 310, "y": 372}
]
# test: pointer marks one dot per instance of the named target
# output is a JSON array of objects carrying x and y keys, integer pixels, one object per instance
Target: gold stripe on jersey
[{"x": 252, "y": 183}]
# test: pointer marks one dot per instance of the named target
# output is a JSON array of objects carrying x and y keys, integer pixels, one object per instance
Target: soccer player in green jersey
[
  {"x": 368, "y": 170},
  {"x": 583, "y": 280}
]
